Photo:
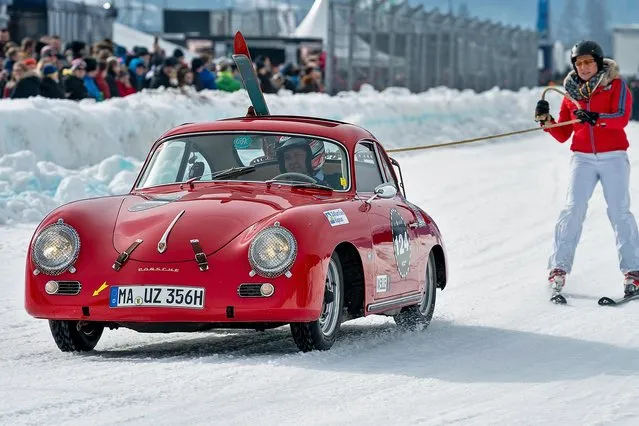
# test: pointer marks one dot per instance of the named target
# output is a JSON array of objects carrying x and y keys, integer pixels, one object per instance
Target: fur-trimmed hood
[{"x": 611, "y": 72}]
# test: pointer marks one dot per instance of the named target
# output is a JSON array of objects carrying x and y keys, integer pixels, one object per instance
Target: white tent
[
  {"x": 315, "y": 25},
  {"x": 129, "y": 37}
]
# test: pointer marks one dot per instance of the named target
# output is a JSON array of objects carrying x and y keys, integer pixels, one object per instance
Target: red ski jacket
[{"x": 613, "y": 101}]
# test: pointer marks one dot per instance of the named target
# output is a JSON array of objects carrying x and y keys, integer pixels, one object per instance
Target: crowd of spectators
[{"x": 50, "y": 68}]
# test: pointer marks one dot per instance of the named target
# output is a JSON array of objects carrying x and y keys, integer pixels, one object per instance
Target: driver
[{"x": 305, "y": 156}]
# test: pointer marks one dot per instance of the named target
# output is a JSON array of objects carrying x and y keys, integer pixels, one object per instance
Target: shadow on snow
[{"x": 445, "y": 351}]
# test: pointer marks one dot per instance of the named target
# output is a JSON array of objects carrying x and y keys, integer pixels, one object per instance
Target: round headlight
[
  {"x": 55, "y": 248},
  {"x": 272, "y": 251}
]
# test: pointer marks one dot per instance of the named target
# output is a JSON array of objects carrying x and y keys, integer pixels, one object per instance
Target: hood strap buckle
[
  {"x": 200, "y": 257},
  {"x": 124, "y": 256}
]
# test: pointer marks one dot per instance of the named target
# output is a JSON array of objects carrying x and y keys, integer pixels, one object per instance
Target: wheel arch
[
  {"x": 440, "y": 263},
  {"x": 353, "y": 276}
]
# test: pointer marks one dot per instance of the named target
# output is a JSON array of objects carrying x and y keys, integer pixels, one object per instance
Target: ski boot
[
  {"x": 631, "y": 284},
  {"x": 556, "y": 282}
]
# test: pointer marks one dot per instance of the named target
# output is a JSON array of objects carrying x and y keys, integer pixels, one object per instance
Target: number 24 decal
[{"x": 402, "y": 244}]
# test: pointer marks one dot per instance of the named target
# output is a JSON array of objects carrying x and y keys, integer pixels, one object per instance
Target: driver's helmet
[{"x": 315, "y": 152}]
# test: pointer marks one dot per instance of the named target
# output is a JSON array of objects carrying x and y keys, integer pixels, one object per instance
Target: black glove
[
  {"x": 542, "y": 108},
  {"x": 542, "y": 112},
  {"x": 587, "y": 116}
]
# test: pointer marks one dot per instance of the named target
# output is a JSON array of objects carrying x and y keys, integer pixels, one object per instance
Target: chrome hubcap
[
  {"x": 330, "y": 310},
  {"x": 427, "y": 298}
]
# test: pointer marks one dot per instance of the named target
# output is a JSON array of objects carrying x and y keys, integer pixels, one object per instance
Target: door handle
[{"x": 413, "y": 225}]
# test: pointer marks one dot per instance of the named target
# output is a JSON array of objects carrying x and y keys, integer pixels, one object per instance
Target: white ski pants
[{"x": 613, "y": 170}]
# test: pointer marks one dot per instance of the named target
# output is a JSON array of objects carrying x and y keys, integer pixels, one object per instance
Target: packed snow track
[{"x": 496, "y": 352}]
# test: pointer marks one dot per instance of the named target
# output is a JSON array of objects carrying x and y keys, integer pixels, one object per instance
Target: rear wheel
[
  {"x": 321, "y": 333},
  {"x": 75, "y": 336},
  {"x": 419, "y": 316}
]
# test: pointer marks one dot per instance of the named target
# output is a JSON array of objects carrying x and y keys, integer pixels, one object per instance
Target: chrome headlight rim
[
  {"x": 63, "y": 266},
  {"x": 284, "y": 266}
]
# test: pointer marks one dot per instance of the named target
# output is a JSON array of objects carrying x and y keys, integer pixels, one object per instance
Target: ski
[
  {"x": 242, "y": 58},
  {"x": 608, "y": 301},
  {"x": 558, "y": 298}
]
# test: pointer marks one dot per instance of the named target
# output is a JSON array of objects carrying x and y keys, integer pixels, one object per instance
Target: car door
[{"x": 389, "y": 221}]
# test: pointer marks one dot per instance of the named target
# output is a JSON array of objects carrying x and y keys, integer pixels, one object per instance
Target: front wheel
[
  {"x": 419, "y": 316},
  {"x": 321, "y": 333},
  {"x": 73, "y": 336}
]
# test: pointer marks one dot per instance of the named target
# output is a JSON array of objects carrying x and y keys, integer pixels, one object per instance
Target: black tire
[
  {"x": 321, "y": 333},
  {"x": 417, "y": 317},
  {"x": 69, "y": 339}
]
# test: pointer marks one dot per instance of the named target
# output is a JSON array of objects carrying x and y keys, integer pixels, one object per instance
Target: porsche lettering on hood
[
  {"x": 158, "y": 269},
  {"x": 212, "y": 221}
]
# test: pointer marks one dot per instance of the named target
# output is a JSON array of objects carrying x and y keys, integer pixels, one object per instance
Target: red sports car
[{"x": 250, "y": 222}]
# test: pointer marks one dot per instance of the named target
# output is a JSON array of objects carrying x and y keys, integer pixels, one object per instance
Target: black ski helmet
[{"x": 587, "y": 47}]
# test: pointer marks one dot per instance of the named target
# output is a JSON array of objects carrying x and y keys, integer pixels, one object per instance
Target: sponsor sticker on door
[
  {"x": 336, "y": 217},
  {"x": 382, "y": 283}
]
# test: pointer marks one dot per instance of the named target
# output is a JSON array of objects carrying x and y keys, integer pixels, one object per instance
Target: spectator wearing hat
[
  {"x": 27, "y": 83},
  {"x": 48, "y": 51},
  {"x": 74, "y": 83},
  {"x": 30, "y": 63},
  {"x": 225, "y": 79},
  {"x": 137, "y": 74},
  {"x": 203, "y": 77},
  {"x": 164, "y": 74},
  {"x": 89, "y": 79},
  {"x": 74, "y": 50},
  {"x": 179, "y": 55},
  {"x": 50, "y": 87}
]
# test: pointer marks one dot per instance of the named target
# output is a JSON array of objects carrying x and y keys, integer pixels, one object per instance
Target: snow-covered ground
[{"x": 497, "y": 352}]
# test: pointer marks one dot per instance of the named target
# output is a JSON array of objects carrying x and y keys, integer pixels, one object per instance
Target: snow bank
[{"x": 58, "y": 151}]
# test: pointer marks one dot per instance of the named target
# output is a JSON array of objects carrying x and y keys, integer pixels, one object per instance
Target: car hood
[{"x": 214, "y": 217}]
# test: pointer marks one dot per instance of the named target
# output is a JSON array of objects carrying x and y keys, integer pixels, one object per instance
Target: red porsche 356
[{"x": 250, "y": 222}]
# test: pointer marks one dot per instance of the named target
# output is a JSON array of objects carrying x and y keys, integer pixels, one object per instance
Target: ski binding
[
  {"x": 558, "y": 299},
  {"x": 608, "y": 301}
]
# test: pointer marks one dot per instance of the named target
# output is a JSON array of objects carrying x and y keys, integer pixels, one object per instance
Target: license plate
[{"x": 165, "y": 296}]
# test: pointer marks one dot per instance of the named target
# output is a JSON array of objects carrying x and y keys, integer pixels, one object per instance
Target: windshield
[{"x": 254, "y": 157}]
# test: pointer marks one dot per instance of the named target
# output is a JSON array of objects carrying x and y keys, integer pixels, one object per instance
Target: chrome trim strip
[
  {"x": 162, "y": 242},
  {"x": 378, "y": 306}
]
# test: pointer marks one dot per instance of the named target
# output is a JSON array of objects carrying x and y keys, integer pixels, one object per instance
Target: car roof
[{"x": 348, "y": 134}]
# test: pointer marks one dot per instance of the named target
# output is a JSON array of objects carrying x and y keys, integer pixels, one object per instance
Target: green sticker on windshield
[{"x": 242, "y": 142}]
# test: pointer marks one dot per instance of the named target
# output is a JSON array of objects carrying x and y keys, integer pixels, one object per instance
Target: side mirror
[{"x": 384, "y": 191}]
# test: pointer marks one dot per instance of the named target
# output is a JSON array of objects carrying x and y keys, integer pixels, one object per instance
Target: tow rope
[{"x": 501, "y": 135}]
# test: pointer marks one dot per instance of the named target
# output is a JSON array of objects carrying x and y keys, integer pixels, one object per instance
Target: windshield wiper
[
  {"x": 226, "y": 173},
  {"x": 232, "y": 172},
  {"x": 300, "y": 184},
  {"x": 311, "y": 185}
]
